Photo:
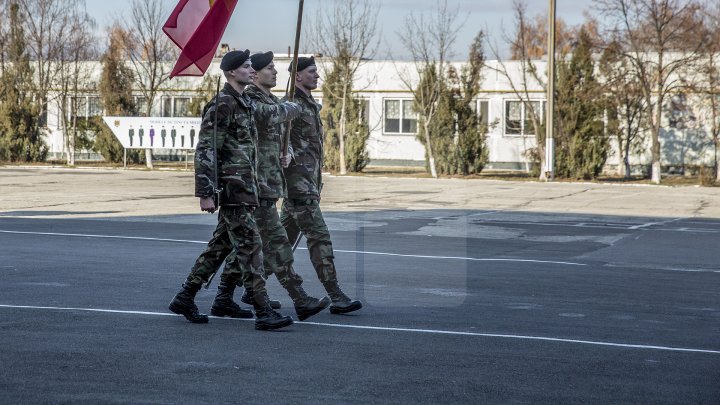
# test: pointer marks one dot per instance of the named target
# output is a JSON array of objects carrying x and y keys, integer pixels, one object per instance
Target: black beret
[
  {"x": 303, "y": 63},
  {"x": 234, "y": 59},
  {"x": 260, "y": 60}
]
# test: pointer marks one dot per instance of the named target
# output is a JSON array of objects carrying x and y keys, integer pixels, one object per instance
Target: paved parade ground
[{"x": 475, "y": 291}]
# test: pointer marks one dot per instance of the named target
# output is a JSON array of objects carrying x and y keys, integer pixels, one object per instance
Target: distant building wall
[{"x": 393, "y": 125}]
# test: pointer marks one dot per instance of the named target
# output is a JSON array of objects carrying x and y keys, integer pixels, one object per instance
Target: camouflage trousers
[
  {"x": 305, "y": 216},
  {"x": 276, "y": 249},
  {"x": 237, "y": 241}
]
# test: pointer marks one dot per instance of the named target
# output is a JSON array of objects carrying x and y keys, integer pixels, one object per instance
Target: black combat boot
[
  {"x": 247, "y": 299},
  {"x": 265, "y": 317},
  {"x": 341, "y": 303},
  {"x": 306, "y": 306},
  {"x": 184, "y": 304},
  {"x": 224, "y": 304}
]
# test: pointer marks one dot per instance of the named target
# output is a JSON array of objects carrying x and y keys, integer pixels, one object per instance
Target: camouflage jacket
[
  {"x": 236, "y": 148},
  {"x": 304, "y": 175},
  {"x": 269, "y": 117}
]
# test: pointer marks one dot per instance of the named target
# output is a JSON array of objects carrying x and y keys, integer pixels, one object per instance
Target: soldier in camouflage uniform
[
  {"x": 235, "y": 145},
  {"x": 301, "y": 210},
  {"x": 277, "y": 250}
]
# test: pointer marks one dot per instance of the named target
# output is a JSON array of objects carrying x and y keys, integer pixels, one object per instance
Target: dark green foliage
[
  {"x": 117, "y": 99},
  {"x": 20, "y": 134},
  {"x": 581, "y": 145},
  {"x": 356, "y": 128},
  {"x": 456, "y": 135}
]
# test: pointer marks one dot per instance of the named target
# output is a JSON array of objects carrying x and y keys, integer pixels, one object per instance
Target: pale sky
[{"x": 262, "y": 25}]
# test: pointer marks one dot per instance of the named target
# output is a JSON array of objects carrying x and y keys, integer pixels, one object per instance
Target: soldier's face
[
  {"x": 267, "y": 76},
  {"x": 244, "y": 74},
  {"x": 308, "y": 78}
]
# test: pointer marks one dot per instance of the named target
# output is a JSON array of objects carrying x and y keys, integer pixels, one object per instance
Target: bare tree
[
  {"x": 708, "y": 85},
  {"x": 4, "y": 28},
  {"x": 48, "y": 25},
  {"x": 150, "y": 51},
  {"x": 348, "y": 34},
  {"x": 430, "y": 43},
  {"x": 74, "y": 79},
  {"x": 527, "y": 46},
  {"x": 626, "y": 103},
  {"x": 662, "y": 40}
]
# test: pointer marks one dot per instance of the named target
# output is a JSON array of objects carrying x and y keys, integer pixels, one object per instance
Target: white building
[{"x": 393, "y": 123}]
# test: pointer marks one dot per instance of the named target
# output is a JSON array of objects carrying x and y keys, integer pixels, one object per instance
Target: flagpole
[{"x": 291, "y": 91}]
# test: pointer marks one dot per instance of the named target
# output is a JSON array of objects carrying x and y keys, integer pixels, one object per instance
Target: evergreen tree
[
  {"x": 355, "y": 127},
  {"x": 581, "y": 146},
  {"x": 456, "y": 136},
  {"x": 116, "y": 95},
  {"x": 20, "y": 133}
]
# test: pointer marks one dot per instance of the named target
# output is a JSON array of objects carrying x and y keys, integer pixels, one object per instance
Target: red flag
[{"x": 196, "y": 27}]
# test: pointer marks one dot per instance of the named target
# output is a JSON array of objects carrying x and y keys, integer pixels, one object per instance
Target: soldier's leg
[
  {"x": 278, "y": 260},
  {"x": 210, "y": 260},
  {"x": 277, "y": 252},
  {"x": 309, "y": 219},
  {"x": 247, "y": 266},
  {"x": 265, "y": 217},
  {"x": 287, "y": 218},
  {"x": 206, "y": 264}
]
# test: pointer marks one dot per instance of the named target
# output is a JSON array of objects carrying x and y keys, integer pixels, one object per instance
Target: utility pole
[{"x": 550, "y": 106}]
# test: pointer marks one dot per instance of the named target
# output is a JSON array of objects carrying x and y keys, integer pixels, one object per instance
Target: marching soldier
[
  {"x": 228, "y": 133},
  {"x": 277, "y": 250},
  {"x": 301, "y": 210}
]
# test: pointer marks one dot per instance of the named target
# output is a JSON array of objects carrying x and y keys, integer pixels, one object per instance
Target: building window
[
  {"x": 518, "y": 119},
  {"x": 181, "y": 107},
  {"x": 400, "y": 117},
  {"x": 482, "y": 109},
  {"x": 141, "y": 105},
  {"x": 166, "y": 106},
  {"x": 82, "y": 108},
  {"x": 363, "y": 108}
]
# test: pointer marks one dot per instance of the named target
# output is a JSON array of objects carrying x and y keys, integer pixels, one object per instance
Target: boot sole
[
  {"x": 181, "y": 311},
  {"x": 272, "y": 326},
  {"x": 221, "y": 314},
  {"x": 344, "y": 310}
]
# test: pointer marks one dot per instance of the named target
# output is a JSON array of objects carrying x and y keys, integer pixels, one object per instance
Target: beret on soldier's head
[
  {"x": 303, "y": 63},
  {"x": 234, "y": 59},
  {"x": 260, "y": 60}
]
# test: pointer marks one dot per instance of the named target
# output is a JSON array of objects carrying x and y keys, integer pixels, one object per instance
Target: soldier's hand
[
  {"x": 293, "y": 109},
  {"x": 285, "y": 160},
  {"x": 207, "y": 204}
]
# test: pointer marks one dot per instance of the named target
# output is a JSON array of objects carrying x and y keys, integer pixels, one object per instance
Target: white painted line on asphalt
[
  {"x": 461, "y": 258},
  {"x": 656, "y": 223},
  {"x": 391, "y": 329},
  {"x": 336, "y": 250},
  {"x": 82, "y": 235}
]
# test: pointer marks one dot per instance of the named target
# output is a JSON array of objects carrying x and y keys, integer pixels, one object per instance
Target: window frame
[
  {"x": 523, "y": 132},
  {"x": 400, "y": 119}
]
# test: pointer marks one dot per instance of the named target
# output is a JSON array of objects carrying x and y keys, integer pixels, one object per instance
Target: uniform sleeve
[
  {"x": 274, "y": 114},
  {"x": 205, "y": 174}
]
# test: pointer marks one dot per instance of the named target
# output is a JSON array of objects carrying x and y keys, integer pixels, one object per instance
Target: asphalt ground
[{"x": 474, "y": 292}]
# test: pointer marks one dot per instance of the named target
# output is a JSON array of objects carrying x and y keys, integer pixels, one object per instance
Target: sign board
[{"x": 155, "y": 132}]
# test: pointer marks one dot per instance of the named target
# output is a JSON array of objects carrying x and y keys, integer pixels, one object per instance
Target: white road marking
[
  {"x": 336, "y": 250},
  {"x": 392, "y": 329},
  {"x": 83, "y": 235}
]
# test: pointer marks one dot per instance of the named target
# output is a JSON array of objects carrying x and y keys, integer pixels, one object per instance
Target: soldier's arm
[
  {"x": 276, "y": 113},
  {"x": 205, "y": 150}
]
